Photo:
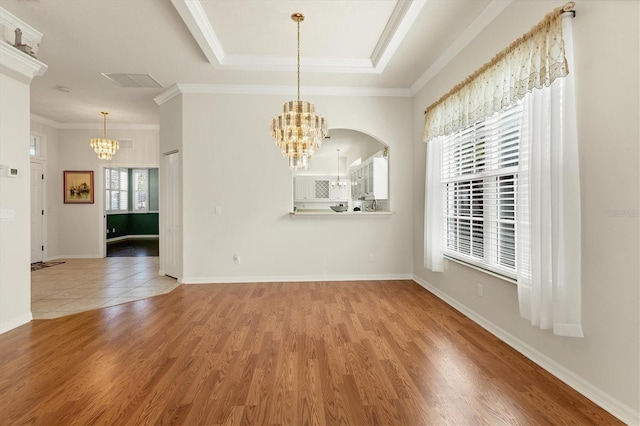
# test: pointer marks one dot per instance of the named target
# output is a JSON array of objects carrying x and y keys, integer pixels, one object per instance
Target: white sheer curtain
[
  {"x": 548, "y": 208},
  {"x": 433, "y": 256}
]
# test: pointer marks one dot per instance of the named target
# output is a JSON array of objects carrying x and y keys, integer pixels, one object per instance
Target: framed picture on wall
[{"x": 78, "y": 187}]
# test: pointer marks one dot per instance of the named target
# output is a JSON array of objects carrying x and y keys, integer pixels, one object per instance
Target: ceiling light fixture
[
  {"x": 298, "y": 131},
  {"x": 338, "y": 183},
  {"x": 105, "y": 147}
]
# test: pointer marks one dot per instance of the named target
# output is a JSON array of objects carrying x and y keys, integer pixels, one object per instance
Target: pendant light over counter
[
  {"x": 338, "y": 183},
  {"x": 298, "y": 131}
]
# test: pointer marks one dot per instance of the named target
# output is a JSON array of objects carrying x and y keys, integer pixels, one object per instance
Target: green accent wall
[
  {"x": 153, "y": 190},
  {"x": 137, "y": 223},
  {"x": 132, "y": 224}
]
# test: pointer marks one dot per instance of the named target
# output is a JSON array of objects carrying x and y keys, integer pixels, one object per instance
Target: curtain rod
[{"x": 567, "y": 8}]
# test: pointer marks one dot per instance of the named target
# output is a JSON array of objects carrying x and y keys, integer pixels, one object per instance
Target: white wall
[
  {"x": 231, "y": 162},
  {"x": 15, "y": 282},
  {"x": 80, "y": 227},
  {"x": 16, "y": 72},
  {"x": 604, "y": 364}
]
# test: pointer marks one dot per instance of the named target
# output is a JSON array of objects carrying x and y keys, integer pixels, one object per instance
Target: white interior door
[
  {"x": 171, "y": 214},
  {"x": 37, "y": 213}
]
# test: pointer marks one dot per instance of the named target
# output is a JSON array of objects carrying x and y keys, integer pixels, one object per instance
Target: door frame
[
  {"x": 41, "y": 158},
  {"x": 100, "y": 183},
  {"x": 163, "y": 204},
  {"x": 41, "y": 162}
]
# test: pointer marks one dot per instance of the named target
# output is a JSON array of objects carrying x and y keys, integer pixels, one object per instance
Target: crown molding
[
  {"x": 8, "y": 25},
  {"x": 495, "y": 8},
  {"x": 19, "y": 63},
  {"x": 43, "y": 120},
  {"x": 167, "y": 95},
  {"x": 91, "y": 126},
  {"x": 401, "y": 20},
  {"x": 197, "y": 22},
  {"x": 223, "y": 89},
  {"x": 112, "y": 126}
]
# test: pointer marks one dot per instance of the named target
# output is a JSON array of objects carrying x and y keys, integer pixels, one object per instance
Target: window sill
[{"x": 493, "y": 274}]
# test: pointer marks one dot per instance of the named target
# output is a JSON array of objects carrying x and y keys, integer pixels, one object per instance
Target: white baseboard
[
  {"x": 15, "y": 323},
  {"x": 263, "y": 279},
  {"x": 587, "y": 389},
  {"x": 132, "y": 237}
]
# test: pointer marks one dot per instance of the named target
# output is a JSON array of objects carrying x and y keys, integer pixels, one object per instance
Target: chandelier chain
[
  {"x": 104, "y": 114},
  {"x": 298, "y": 20}
]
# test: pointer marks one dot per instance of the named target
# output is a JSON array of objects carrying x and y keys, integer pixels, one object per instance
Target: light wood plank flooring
[
  {"x": 80, "y": 285},
  {"x": 375, "y": 352}
]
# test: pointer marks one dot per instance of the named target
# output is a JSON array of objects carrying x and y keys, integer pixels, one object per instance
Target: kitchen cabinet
[
  {"x": 319, "y": 188},
  {"x": 357, "y": 182},
  {"x": 376, "y": 177},
  {"x": 370, "y": 179}
]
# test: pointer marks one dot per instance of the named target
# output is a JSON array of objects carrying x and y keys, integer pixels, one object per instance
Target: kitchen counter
[{"x": 326, "y": 212}]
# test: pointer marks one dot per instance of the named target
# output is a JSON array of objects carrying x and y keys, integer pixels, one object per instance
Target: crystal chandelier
[
  {"x": 338, "y": 183},
  {"x": 105, "y": 147},
  {"x": 298, "y": 131}
]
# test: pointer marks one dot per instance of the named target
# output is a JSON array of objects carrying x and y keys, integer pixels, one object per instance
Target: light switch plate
[{"x": 6, "y": 215}]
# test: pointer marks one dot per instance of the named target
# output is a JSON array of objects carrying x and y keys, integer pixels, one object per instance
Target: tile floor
[{"x": 83, "y": 284}]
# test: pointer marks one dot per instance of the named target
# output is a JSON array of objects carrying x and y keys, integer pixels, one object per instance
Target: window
[
  {"x": 479, "y": 182},
  {"x": 140, "y": 190},
  {"x": 117, "y": 184},
  {"x": 34, "y": 147}
]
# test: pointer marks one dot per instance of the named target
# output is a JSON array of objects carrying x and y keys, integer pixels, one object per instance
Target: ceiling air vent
[{"x": 133, "y": 80}]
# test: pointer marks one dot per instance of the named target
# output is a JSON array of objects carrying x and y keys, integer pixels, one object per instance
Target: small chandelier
[
  {"x": 105, "y": 147},
  {"x": 338, "y": 183},
  {"x": 298, "y": 131}
]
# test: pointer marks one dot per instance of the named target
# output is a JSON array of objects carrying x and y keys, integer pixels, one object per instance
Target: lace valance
[{"x": 534, "y": 60}]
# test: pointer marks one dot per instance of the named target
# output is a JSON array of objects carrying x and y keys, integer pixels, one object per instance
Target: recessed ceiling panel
[{"x": 331, "y": 29}]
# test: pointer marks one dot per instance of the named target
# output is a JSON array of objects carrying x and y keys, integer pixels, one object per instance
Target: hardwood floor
[
  {"x": 374, "y": 352},
  {"x": 135, "y": 247}
]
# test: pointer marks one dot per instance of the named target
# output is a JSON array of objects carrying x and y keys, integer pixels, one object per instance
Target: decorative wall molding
[{"x": 587, "y": 389}]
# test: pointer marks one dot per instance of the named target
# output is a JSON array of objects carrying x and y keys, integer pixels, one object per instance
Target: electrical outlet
[
  {"x": 236, "y": 259},
  {"x": 371, "y": 258},
  {"x": 113, "y": 230},
  {"x": 480, "y": 290}
]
